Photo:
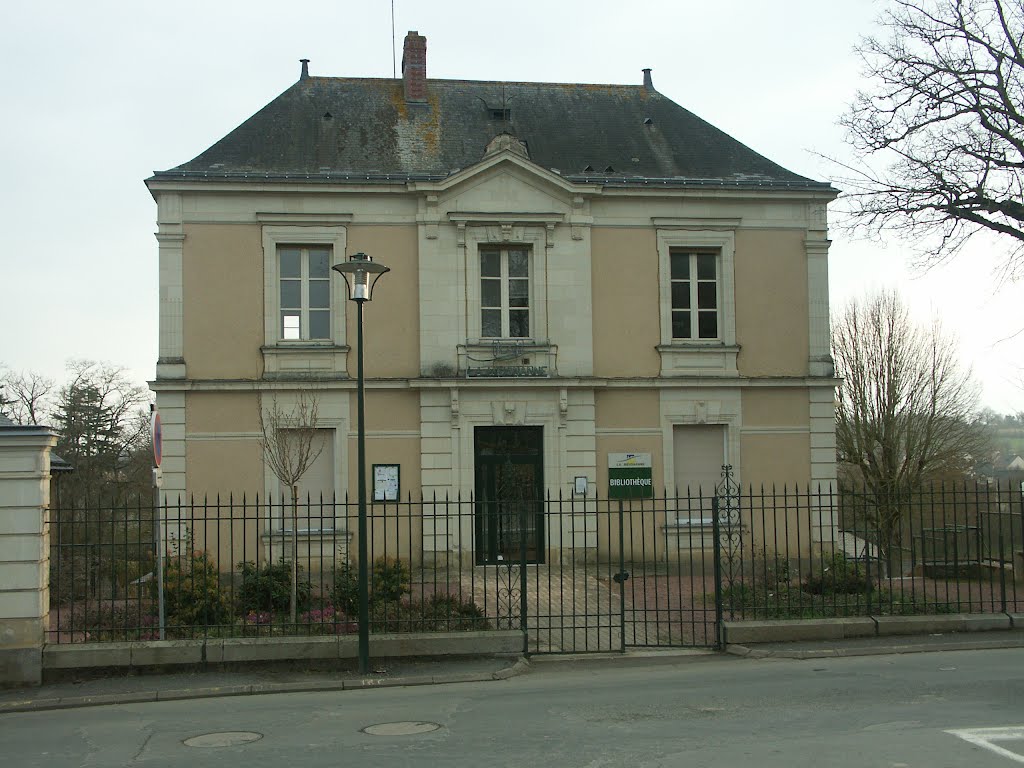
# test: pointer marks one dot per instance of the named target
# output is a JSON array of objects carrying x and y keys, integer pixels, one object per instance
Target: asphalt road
[{"x": 889, "y": 711}]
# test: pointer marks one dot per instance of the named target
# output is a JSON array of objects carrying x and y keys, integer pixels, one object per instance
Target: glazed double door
[{"x": 509, "y": 514}]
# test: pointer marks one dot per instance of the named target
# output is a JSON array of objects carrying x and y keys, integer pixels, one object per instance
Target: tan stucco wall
[
  {"x": 625, "y": 301},
  {"x": 223, "y": 301},
  {"x": 627, "y": 409},
  {"x": 775, "y": 407},
  {"x": 222, "y": 412},
  {"x": 230, "y": 466},
  {"x": 221, "y": 474},
  {"x": 391, "y": 321},
  {"x": 404, "y": 451},
  {"x": 771, "y": 303},
  {"x": 778, "y": 464},
  {"x": 392, "y": 427},
  {"x": 776, "y": 459},
  {"x": 393, "y": 528},
  {"x": 391, "y": 409}
]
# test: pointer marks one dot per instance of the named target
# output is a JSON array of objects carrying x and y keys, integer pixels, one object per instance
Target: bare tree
[
  {"x": 940, "y": 133},
  {"x": 906, "y": 407},
  {"x": 289, "y": 448},
  {"x": 25, "y": 396}
]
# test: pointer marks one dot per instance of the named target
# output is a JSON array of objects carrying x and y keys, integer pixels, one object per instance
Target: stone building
[{"x": 577, "y": 272}]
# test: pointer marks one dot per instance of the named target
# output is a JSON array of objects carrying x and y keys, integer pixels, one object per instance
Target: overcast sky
[{"x": 100, "y": 94}]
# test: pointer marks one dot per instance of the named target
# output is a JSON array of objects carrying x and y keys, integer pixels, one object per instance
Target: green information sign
[{"x": 629, "y": 476}]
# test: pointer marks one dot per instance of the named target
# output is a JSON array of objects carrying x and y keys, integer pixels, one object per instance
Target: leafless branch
[
  {"x": 944, "y": 117},
  {"x": 288, "y": 437},
  {"x": 28, "y": 396}
]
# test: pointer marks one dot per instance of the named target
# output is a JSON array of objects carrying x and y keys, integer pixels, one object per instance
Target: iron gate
[{"x": 622, "y": 574}]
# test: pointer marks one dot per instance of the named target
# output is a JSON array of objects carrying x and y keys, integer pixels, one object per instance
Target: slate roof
[{"x": 361, "y": 129}]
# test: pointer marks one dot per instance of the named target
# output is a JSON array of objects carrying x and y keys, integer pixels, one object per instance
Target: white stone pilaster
[
  {"x": 171, "y": 239},
  {"x": 24, "y": 551},
  {"x": 823, "y": 461},
  {"x": 819, "y": 352},
  {"x": 171, "y": 406}
]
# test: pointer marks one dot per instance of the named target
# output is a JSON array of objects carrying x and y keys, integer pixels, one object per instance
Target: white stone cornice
[
  {"x": 300, "y": 219},
  {"x": 511, "y": 383},
  {"x": 354, "y": 184},
  {"x": 761, "y": 194},
  {"x": 695, "y": 222},
  {"x": 504, "y": 218}
]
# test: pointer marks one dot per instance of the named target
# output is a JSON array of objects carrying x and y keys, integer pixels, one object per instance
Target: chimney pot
[
  {"x": 414, "y": 67},
  {"x": 305, "y": 69},
  {"x": 648, "y": 83}
]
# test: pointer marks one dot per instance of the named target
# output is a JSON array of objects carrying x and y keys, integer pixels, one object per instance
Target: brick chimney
[{"x": 414, "y": 67}]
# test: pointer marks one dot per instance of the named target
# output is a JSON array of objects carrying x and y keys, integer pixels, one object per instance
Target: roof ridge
[{"x": 479, "y": 82}]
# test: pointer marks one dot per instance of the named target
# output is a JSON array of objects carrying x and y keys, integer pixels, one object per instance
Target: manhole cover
[
  {"x": 409, "y": 728},
  {"x": 223, "y": 739}
]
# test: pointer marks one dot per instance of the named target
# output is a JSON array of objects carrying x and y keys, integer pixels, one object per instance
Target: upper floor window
[
  {"x": 695, "y": 292},
  {"x": 305, "y": 292},
  {"x": 505, "y": 293}
]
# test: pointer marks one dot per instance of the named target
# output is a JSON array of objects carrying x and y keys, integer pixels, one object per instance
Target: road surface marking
[{"x": 986, "y": 737}]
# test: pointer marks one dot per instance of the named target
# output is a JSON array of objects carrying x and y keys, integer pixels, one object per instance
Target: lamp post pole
[
  {"x": 364, "y": 571},
  {"x": 359, "y": 268}
]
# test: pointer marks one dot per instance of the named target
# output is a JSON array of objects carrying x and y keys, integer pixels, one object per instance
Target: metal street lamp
[{"x": 357, "y": 271}]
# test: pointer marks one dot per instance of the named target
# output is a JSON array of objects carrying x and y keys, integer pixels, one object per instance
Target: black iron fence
[
  {"x": 573, "y": 573},
  {"x": 954, "y": 548}
]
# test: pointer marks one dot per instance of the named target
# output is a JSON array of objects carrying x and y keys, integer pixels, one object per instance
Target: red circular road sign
[{"x": 156, "y": 430}]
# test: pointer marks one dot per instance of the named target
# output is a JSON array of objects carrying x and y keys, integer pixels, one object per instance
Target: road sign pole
[{"x": 156, "y": 432}]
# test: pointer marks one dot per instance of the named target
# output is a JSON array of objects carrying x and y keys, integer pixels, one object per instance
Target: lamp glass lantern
[{"x": 357, "y": 272}]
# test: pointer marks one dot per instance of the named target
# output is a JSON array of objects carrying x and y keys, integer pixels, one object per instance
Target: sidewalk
[
  {"x": 874, "y": 646},
  {"x": 134, "y": 689}
]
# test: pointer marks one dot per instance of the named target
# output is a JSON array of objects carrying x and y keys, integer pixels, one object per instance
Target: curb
[
  {"x": 973, "y": 644},
  {"x": 521, "y": 666},
  {"x": 260, "y": 689}
]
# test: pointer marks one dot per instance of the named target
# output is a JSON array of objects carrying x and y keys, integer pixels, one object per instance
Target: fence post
[
  {"x": 523, "y": 598},
  {"x": 716, "y": 529},
  {"x": 1002, "y": 564},
  {"x": 868, "y": 555},
  {"x": 622, "y": 578},
  {"x": 24, "y": 551}
]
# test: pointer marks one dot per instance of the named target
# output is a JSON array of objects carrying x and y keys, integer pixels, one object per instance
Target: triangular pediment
[
  {"x": 507, "y": 181},
  {"x": 509, "y": 164}
]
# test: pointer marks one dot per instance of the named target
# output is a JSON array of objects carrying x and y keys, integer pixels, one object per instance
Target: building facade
[{"x": 577, "y": 272}]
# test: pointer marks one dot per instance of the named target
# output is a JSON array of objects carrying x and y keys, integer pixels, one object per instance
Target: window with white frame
[
  {"x": 505, "y": 292},
  {"x": 304, "y": 274},
  {"x": 697, "y": 297},
  {"x": 695, "y": 292}
]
